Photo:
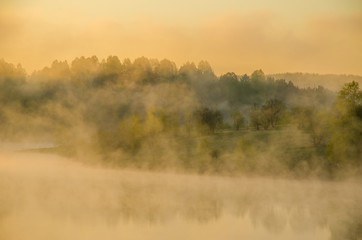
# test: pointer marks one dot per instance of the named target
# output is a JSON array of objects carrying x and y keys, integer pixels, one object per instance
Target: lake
[{"x": 44, "y": 196}]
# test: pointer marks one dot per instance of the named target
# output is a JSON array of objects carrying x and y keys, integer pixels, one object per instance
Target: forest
[{"x": 151, "y": 114}]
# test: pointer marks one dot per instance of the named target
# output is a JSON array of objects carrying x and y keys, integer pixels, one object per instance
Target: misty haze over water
[
  {"x": 189, "y": 119},
  {"x": 43, "y": 196},
  {"x": 108, "y": 149}
]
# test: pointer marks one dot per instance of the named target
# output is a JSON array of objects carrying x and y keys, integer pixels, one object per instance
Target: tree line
[{"x": 146, "y": 111}]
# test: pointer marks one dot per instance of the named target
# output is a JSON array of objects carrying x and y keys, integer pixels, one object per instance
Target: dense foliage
[{"x": 149, "y": 113}]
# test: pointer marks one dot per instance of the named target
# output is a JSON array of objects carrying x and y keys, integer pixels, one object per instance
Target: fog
[
  {"x": 146, "y": 149},
  {"x": 330, "y": 81},
  {"x": 43, "y": 196},
  {"x": 152, "y": 114},
  {"x": 193, "y": 119}
]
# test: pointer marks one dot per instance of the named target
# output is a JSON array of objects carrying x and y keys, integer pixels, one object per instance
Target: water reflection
[{"x": 58, "y": 194}]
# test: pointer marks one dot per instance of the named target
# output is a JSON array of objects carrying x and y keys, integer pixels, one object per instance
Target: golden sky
[{"x": 323, "y": 36}]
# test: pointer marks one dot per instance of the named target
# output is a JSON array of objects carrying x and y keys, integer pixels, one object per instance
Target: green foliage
[
  {"x": 349, "y": 99},
  {"x": 256, "y": 117},
  {"x": 302, "y": 116},
  {"x": 258, "y": 76},
  {"x": 238, "y": 119},
  {"x": 230, "y": 86},
  {"x": 152, "y": 125},
  {"x": 208, "y": 119},
  {"x": 205, "y": 68},
  {"x": 268, "y": 115},
  {"x": 345, "y": 147},
  {"x": 132, "y": 133},
  {"x": 272, "y": 111},
  {"x": 319, "y": 128},
  {"x": 149, "y": 113},
  {"x": 315, "y": 122}
]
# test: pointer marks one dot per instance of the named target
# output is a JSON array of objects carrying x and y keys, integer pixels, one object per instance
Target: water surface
[{"x": 44, "y": 196}]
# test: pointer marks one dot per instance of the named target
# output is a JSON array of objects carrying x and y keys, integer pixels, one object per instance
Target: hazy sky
[{"x": 322, "y": 36}]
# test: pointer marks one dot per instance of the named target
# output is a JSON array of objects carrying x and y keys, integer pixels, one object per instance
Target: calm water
[{"x": 48, "y": 197}]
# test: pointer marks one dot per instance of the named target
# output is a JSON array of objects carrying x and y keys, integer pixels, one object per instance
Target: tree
[
  {"x": 230, "y": 87},
  {"x": 345, "y": 146},
  {"x": 84, "y": 69},
  {"x": 131, "y": 133},
  {"x": 205, "y": 68},
  {"x": 258, "y": 76},
  {"x": 350, "y": 99},
  {"x": 272, "y": 111},
  {"x": 256, "y": 117},
  {"x": 166, "y": 69},
  {"x": 142, "y": 71},
  {"x": 152, "y": 124},
  {"x": 211, "y": 119},
  {"x": 301, "y": 116},
  {"x": 268, "y": 115},
  {"x": 238, "y": 119},
  {"x": 188, "y": 69},
  {"x": 319, "y": 127}
]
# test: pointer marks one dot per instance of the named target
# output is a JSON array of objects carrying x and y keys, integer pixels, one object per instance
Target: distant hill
[{"x": 332, "y": 82}]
